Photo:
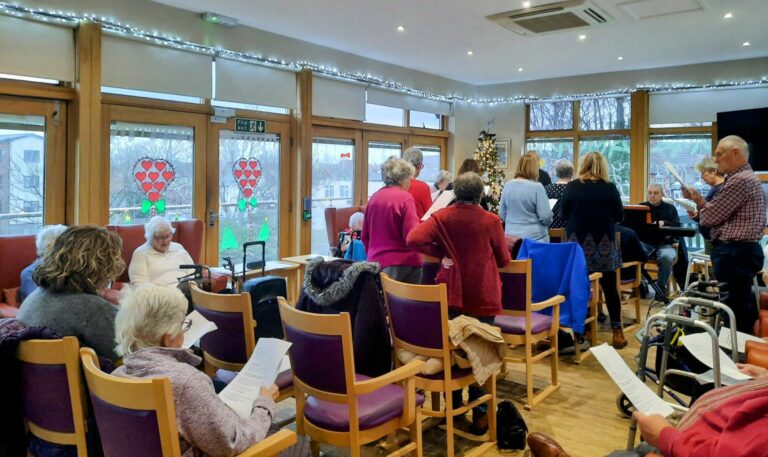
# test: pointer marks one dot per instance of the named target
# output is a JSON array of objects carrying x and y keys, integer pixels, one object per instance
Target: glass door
[
  {"x": 32, "y": 143},
  {"x": 435, "y": 158},
  {"x": 378, "y": 148}
]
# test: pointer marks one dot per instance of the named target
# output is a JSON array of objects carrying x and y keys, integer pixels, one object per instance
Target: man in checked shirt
[{"x": 737, "y": 218}]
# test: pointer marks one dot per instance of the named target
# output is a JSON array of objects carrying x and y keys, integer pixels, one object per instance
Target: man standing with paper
[{"x": 737, "y": 218}]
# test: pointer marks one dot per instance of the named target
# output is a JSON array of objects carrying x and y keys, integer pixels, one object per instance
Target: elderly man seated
[{"x": 661, "y": 247}]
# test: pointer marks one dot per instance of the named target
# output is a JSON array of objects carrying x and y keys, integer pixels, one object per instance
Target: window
[
  {"x": 378, "y": 153},
  {"x": 551, "y": 116},
  {"x": 151, "y": 172},
  {"x": 615, "y": 149},
  {"x": 31, "y": 182},
  {"x": 333, "y": 164},
  {"x": 250, "y": 107},
  {"x": 344, "y": 191},
  {"x": 609, "y": 113},
  {"x": 329, "y": 191},
  {"x": 31, "y": 156},
  {"x": 147, "y": 94},
  {"x": 431, "y": 162},
  {"x": 551, "y": 151},
  {"x": 385, "y": 115},
  {"x": 423, "y": 120},
  {"x": 31, "y": 206}
]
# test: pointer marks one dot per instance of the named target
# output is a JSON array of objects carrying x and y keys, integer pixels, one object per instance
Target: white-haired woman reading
[
  {"x": 149, "y": 330},
  {"x": 157, "y": 261}
]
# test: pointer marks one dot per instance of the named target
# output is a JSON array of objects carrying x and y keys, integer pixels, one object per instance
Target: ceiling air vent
[{"x": 553, "y": 17}]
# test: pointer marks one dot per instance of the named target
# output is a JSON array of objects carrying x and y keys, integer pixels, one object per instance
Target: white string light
[{"x": 175, "y": 42}]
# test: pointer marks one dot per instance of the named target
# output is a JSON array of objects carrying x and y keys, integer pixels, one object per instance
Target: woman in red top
[{"x": 470, "y": 240}]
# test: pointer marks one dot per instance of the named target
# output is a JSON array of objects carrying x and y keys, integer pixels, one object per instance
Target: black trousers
[{"x": 737, "y": 263}]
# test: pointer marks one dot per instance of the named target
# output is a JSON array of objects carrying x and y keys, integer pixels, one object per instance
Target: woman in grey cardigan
[{"x": 149, "y": 332}]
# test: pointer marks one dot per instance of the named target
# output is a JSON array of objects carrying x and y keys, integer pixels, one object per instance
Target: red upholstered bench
[{"x": 16, "y": 252}]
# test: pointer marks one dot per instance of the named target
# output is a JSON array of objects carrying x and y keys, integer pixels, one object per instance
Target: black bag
[{"x": 510, "y": 427}]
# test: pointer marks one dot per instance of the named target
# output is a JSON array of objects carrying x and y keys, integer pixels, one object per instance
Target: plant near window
[{"x": 487, "y": 157}]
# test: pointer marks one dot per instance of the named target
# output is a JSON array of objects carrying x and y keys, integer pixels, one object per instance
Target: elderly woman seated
[
  {"x": 150, "y": 331},
  {"x": 157, "y": 261},
  {"x": 43, "y": 242},
  {"x": 80, "y": 265}
]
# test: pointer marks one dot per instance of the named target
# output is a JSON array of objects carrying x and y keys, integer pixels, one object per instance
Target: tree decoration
[
  {"x": 153, "y": 177},
  {"x": 228, "y": 240},
  {"x": 264, "y": 232},
  {"x": 488, "y": 158},
  {"x": 247, "y": 173}
]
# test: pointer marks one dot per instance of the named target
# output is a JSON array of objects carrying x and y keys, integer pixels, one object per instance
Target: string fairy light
[{"x": 171, "y": 41}]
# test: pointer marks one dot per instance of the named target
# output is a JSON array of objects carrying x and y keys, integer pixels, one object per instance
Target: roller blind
[
  {"x": 338, "y": 99},
  {"x": 703, "y": 106},
  {"x": 133, "y": 65},
  {"x": 397, "y": 100},
  {"x": 30, "y": 48},
  {"x": 247, "y": 83}
]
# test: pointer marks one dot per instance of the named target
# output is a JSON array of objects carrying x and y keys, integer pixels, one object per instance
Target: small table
[
  {"x": 301, "y": 262},
  {"x": 286, "y": 270}
]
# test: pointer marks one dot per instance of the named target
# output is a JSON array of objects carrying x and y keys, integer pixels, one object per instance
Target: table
[
  {"x": 288, "y": 270},
  {"x": 301, "y": 262}
]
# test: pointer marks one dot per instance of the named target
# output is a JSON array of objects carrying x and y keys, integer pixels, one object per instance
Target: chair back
[
  {"x": 321, "y": 353},
  {"x": 516, "y": 286},
  {"x": 418, "y": 316},
  {"x": 557, "y": 235},
  {"x": 430, "y": 266},
  {"x": 336, "y": 220},
  {"x": 134, "y": 416},
  {"x": 231, "y": 344},
  {"x": 53, "y": 391}
]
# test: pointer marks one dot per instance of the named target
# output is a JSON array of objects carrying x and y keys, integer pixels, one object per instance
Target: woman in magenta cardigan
[
  {"x": 389, "y": 217},
  {"x": 470, "y": 240}
]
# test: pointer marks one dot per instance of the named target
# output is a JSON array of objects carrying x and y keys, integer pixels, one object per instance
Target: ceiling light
[
  {"x": 620, "y": 58},
  {"x": 526, "y": 4},
  {"x": 746, "y": 43},
  {"x": 400, "y": 28},
  {"x": 520, "y": 69},
  {"x": 728, "y": 16},
  {"x": 214, "y": 18},
  {"x": 469, "y": 53},
  {"x": 582, "y": 37}
]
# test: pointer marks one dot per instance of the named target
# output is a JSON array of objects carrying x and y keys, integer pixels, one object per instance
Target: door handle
[{"x": 211, "y": 218}]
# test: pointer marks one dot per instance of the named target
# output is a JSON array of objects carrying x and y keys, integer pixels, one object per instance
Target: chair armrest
[
  {"x": 408, "y": 370},
  {"x": 548, "y": 303},
  {"x": 634, "y": 263},
  {"x": 595, "y": 276},
  {"x": 271, "y": 445}
]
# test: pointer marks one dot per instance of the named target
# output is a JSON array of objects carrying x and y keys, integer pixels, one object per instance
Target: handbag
[{"x": 510, "y": 427}]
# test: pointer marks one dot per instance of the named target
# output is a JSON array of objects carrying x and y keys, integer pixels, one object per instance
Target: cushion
[
  {"x": 12, "y": 296},
  {"x": 373, "y": 409},
  {"x": 8, "y": 311},
  {"x": 516, "y": 325}
]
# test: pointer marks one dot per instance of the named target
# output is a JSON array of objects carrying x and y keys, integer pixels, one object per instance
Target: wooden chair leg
[
  {"x": 553, "y": 358},
  {"x": 449, "y": 424},
  {"x": 314, "y": 447},
  {"x": 529, "y": 372},
  {"x": 416, "y": 435},
  {"x": 490, "y": 386}
]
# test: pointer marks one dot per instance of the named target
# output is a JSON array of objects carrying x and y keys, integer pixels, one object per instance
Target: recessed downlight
[
  {"x": 746, "y": 43},
  {"x": 620, "y": 58},
  {"x": 728, "y": 16},
  {"x": 526, "y": 4},
  {"x": 400, "y": 28},
  {"x": 470, "y": 53},
  {"x": 519, "y": 68},
  {"x": 582, "y": 37}
]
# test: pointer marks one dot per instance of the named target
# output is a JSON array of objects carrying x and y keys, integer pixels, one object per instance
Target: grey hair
[
  {"x": 737, "y": 142},
  {"x": 146, "y": 313},
  {"x": 356, "y": 219},
  {"x": 468, "y": 187},
  {"x": 396, "y": 171},
  {"x": 414, "y": 156},
  {"x": 156, "y": 224},
  {"x": 46, "y": 237},
  {"x": 706, "y": 165},
  {"x": 564, "y": 170},
  {"x": 443, "y": 175},
  {"x": 655, "y": 185}
]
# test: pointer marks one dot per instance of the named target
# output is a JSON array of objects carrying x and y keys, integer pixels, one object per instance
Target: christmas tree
[{"x": 488, "y": 158}]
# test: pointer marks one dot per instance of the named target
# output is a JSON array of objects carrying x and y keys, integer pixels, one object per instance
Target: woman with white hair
[
  {"x": 149, "y": 330},
  {"x": 443, "y": 181},
  {"x": 157, "y": 261},
  {"x": 43, "y": 242},
  {"x": 389, "y": 217}
]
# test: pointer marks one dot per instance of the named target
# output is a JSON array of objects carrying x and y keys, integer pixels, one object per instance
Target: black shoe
[{"x": 479, "y": 425}]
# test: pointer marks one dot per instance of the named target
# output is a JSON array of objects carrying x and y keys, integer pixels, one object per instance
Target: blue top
[
  {"x": 525, "y": 210},
  {"x": 28, "y": 285},
  {"x": 355, "y": 251}
]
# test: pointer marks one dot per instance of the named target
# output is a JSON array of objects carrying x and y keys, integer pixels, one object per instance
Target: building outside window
[
  {"x": 31, "y": 181},
  {"x": 31, "y": 206},
  {"x": 31, "y": 156}
]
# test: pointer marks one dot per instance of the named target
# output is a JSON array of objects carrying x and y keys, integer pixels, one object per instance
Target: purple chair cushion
[
  {"x": 373, "y": 409},
  {"x": 456, "y": 373},
  {"x": 284, "y": 379},
  {"x": 126, "y": 432},
  {"x": 628, "y": 281},
  {"x": 45, "y": 396},
  {"x": 227, "y": 342},
  {"x": 516, "y": 325}
]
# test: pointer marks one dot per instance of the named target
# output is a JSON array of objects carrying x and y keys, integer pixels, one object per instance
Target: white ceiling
[{"x": 438, "y": 34}]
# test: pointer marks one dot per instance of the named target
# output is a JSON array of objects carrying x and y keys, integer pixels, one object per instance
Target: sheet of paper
[
  {"x": 641, "y": 396},
  {"x": 700, "y": 346},
  {"x": 674, "y": 173},
  {"x": 198, "y": 326},
  {"x": 442, "y": 201},
  {"x": 685, "y": 203},
  {"x": 260, "y": 370},
  {"x": 552, "y": 203},
  {"x": 725, "y": 339},
  {"x": 272, "y": 265}
]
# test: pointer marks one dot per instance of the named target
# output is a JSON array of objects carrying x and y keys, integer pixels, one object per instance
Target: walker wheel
[{"x": 625, "y": 406}]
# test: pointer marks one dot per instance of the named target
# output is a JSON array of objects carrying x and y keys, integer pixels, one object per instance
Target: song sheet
[
  {"x": 552, "y": 203},
  {"x": 700, "y": 346},
  {"x": 198, "y": 326},
  {"x": 641, "y": 396},
  {"x": 441, "y": 202},
  {"x": 261, "y": 370},
  {"x": 674, "y": 173},
  {"x": 725, "y": 339}
]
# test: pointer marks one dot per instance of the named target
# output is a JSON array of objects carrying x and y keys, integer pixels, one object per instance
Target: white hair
[
  {"x": 146, "y": 313},
  {"x": 356, "y": 220},
  {"x": 46, "y": 237},
  {"x": 655, "y": 185},
  {"x": 156, "y": 224},
  {"x": 443, "y": 175},
  {"x": 735, "y": 142},
  {"x": 414, "y": 156},
  {"x": 396, "y": 171}
]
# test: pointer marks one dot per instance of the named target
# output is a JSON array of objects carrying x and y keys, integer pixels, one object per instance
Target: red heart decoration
[
  {"x": 141, "y": 176},
  {"x": 247, "y": 192},
  {"x": 248, "y": 173},
  {"x": 146, "y": 164},
  {"x": 252, "y": 182},
  {"x": 153, "y": 175},
  {"x": 147, "y": 186},
  {"x": 168, "y": 175},
  {"x": 160, "y": 165},
  {"x": 242, "y": 164},
  {"x": 153, "y": 196},
  {"x": 159, "y": 186},
  {"x": 238, "y": 173},
  {"x": 253, "y": 164},
  {"x": 243, "y": 183},
  {"x": 257, "y": 174}
]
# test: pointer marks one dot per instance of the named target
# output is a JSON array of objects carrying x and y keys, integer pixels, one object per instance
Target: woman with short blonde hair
[
  {"x": 524, "y": 204},
  {"x": 528, "y": 167}
]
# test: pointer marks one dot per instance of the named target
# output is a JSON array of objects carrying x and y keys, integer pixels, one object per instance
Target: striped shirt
[{"x": 737, "y": 213}]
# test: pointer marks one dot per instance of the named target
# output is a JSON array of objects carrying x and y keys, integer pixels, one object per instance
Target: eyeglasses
[
  {"x": 186, "y": 325},
  {"x": 163, "y": 237}
]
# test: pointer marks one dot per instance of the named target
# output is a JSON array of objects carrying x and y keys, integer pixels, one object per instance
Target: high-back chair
[
  {"x": 418, "y": 317},
  {"x": 53, "y": 391},
  {"x": 430, "y": 266},
  {"x": 522, "y": 323},
  {"x": 228, "y": 348},
  {"x": 138, "y": 417},
  {"x": 333, "y": 404}
]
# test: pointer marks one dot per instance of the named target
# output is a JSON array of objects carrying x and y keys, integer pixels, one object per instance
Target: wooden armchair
[
  {"x": 630, "y": 288},
  {"x": 590, "y": 323}
]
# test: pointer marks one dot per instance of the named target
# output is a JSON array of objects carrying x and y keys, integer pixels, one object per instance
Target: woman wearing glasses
[{"x": 157, "y": 261}]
